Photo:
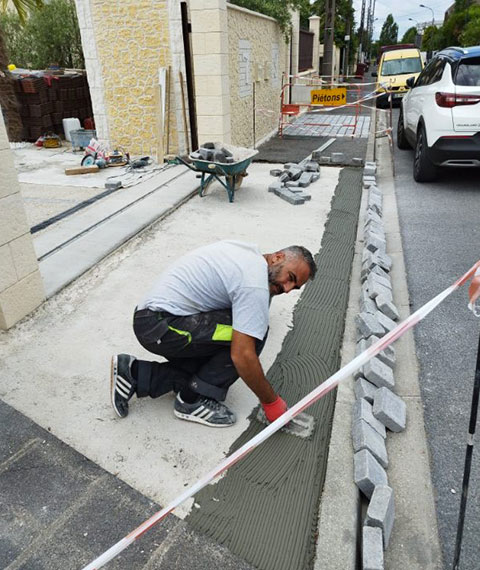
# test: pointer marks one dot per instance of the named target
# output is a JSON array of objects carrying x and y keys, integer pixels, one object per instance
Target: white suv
[{"x": 440, "y": 114}]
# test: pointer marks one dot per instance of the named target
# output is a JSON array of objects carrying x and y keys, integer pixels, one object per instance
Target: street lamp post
[{"x": 431, "y": 10}]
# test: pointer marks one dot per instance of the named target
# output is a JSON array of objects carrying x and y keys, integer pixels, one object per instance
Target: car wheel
[
  {"x": 423, "y": 168},
  {"x": 402, "y": 141}
]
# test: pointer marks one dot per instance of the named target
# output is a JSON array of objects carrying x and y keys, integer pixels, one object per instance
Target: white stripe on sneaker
[
  {"x": 124, "y": 383},
  {"x": 197, "y": 411},
  {"x": 205, "y": 413},
  {"x": 121, "y": 390}
]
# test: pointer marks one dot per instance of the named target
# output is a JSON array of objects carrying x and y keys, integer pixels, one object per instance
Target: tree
[
  {"x": 278, "y": 9},
  {"x": 50, "y": 35},
  {"x": 471, "y": 34},
  {"x": 389, "y": 33},
  {"x": 410, "y": 36},
  {"x": 8, "y": 100}
]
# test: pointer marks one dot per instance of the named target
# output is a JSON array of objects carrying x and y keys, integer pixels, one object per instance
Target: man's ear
[{"x": 277, "y": 257}]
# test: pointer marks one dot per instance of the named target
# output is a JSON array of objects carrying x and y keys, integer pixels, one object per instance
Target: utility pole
[
  {"x": 327, "y": 66},
  {"x": 345, "y": 62},
  {"x": 360, "y": 32}
]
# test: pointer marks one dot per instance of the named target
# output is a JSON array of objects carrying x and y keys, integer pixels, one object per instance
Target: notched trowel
[{"x": 301, "y": 425}]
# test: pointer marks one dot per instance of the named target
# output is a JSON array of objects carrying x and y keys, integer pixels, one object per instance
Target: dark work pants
[{"x": 195, "y": 359}]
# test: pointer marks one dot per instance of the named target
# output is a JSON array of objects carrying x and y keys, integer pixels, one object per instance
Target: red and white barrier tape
[{"x": 308, "y": 400}]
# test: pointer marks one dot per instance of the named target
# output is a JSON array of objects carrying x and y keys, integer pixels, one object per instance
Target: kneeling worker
[{"x": 208, "y": 316}]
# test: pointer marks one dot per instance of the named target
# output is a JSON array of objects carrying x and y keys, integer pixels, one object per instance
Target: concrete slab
[{"x": 61, "y": 353}]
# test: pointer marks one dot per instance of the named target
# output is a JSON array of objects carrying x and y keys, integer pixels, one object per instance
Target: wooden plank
[
  {"x": 81, "y": 170},
  {"x": 159, "y": 120}
]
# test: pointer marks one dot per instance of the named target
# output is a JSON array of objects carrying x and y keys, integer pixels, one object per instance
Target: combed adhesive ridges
[{"x": 265, "y": 508}]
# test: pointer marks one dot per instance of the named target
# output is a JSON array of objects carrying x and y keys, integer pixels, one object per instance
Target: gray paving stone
[
  {"x": 374, "y": 227},
  {"x": 337, "y": 157},
  {"x": 376, "y": 288},
  {"x": 292, "y": 184},
  {"x": 276, "y": 172},
  {"x": 374, "y": 242},
  {"x": 378, "y": 373},
  {"x": 312, "y": 166},
  {"x": 370, "y": 168},
  {"x": 374, "y": 204},
  {"x": 277, "y": 185},
  {"x": 381, "y": 512},
  {"x": 367, "y": 324},
  {"x": 383, "y": 281},
  {"x": 294, "y": 172},
  {"x": 372, "y": 216},
  {"x": 284, "y": 177},
  {"x": 365, "y": 437},
  {"x": 315, "y": 177},
  {"x": 356, "y": 161},
  {"x": 304, "y": 195},
  {"x": 386, "y": 322},
  {"x": 367, "y": 472},
  {"x": 364, "y": 389},
  {"x": 387, "y": 307},
  {"x": 305, "y": 179},
  {"x": 390, "y": 409},
  {"x": 289, "y": 197},
  {"x": 387, "y": 356},
  {"x": 362, "y": 410},
  {"x": 368, "y": 305},
  {"x": 372, "y": 548}
]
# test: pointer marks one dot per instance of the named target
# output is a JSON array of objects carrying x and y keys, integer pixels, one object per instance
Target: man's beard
[{"x": 273, "y": 273}]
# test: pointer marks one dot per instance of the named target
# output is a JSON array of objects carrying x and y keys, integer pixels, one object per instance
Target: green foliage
[
  {"x": 50, "y": 35},
  {"x": 22, "y": 7},
  {"x": 471, "y": 33},
  {"x": 409, "y": 36},
  {"x": 389, "y": 33},
  {"x": 278, "y": 9},
  {"x": 433, "y": 39}
]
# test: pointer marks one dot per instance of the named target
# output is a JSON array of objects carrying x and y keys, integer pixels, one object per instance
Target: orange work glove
[{"x": 275, "y": 409}]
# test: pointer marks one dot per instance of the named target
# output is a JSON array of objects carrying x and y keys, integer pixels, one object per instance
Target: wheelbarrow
[{"x": 232, "y": 173}]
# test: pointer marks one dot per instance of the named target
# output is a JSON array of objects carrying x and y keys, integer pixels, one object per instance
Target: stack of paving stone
[
  {"x": 209, "y": 152},
  {"x": 376, "y": 409},
  {"x": 293, "y": 179}
]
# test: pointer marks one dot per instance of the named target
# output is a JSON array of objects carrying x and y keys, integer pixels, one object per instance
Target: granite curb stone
[{"x": 390, "y": 409}]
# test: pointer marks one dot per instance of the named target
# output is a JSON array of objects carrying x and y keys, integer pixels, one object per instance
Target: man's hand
[
  {"x": 248, "y": 366},
  {"x": 275, "y": 409}
]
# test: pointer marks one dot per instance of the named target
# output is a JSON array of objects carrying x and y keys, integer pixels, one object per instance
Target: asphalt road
[{"x": 440, "y": 225}]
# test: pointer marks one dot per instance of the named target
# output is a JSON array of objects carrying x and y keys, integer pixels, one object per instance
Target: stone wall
[
  {"x": 125, "y": 44},
  {"x": 258, "y": 55},
  {"x": 21, "y": 286}
]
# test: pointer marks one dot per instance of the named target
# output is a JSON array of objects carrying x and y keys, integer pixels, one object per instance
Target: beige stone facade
[
  {"x": 21, "y": 286},
  {"x": 257, "y": 57},
  {"x": 126, "y": 44}
]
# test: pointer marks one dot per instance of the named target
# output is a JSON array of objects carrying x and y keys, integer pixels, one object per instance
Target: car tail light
[{"x": 453, "y": 99}]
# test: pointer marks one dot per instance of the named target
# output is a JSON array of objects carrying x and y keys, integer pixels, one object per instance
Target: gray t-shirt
[{"x": 217, "y": 276}]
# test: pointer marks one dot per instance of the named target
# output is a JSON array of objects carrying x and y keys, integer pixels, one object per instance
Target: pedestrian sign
[{"x": 329, "y": 97}]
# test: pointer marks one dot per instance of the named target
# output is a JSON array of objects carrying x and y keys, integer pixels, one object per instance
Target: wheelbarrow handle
[{"x": 185, "y": 163}]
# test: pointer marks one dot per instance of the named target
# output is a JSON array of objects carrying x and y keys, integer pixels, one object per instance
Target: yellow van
[{"x": 395, "y": 67}]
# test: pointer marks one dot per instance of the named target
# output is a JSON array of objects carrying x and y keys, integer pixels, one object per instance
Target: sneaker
[
  {"x": 122, "y": 383},
  {"x": 205, "y": 411}
]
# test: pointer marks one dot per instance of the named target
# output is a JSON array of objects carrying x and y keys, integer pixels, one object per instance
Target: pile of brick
[
  {"x": 377, "y": 408},
  {"x": 293, "y": 179},
  {"x": 45, "y": 101}
]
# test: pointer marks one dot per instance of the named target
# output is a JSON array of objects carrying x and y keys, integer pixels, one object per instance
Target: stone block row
[{"x": 377, "y": 408}]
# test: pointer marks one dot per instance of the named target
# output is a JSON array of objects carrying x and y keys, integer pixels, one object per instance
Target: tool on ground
[
  {"x": 300, "y": 426},
  {"x": 280, "y": 422},
  {"x": 99, "y": 154}
]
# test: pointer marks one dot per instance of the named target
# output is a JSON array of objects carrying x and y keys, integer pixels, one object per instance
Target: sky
[{"x": 401, "y": 11}]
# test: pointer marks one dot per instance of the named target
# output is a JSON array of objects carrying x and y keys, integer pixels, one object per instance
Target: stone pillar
[
  {"x": 314, "y": 26},
  {"x": 21, "y": 286},
  {"x": 295, "y": 41},
  {"x": 93, "y": 65},
  {"x": 210, "y": 62}
]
